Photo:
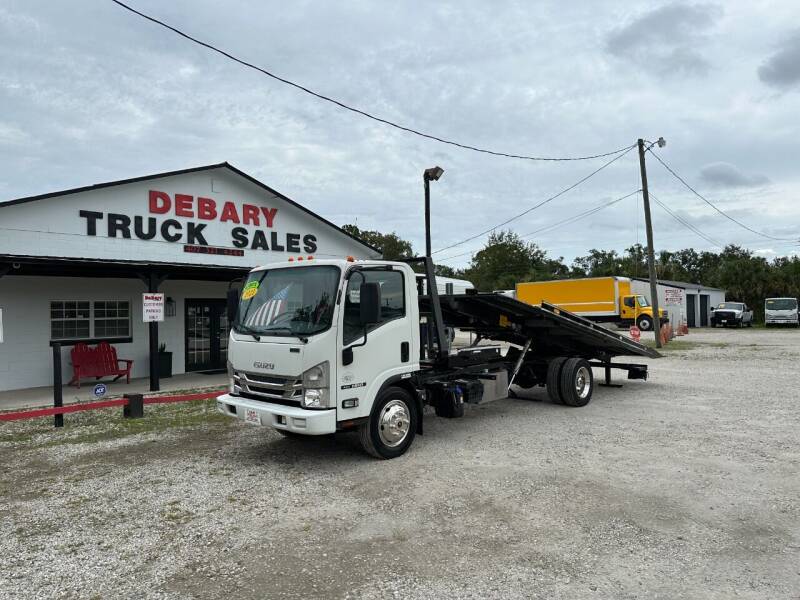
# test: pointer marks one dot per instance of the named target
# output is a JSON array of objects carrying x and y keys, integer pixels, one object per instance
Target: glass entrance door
[{"x": 206, "y": 335}]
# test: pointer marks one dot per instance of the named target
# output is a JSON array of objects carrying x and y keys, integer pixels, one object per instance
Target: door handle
[{"x": 404, "y": 352}]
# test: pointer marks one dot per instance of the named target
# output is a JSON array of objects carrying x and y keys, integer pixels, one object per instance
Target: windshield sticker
[{"x": 250, "y": 290}]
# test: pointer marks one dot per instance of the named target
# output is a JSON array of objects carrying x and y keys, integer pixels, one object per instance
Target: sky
[{"x": 91, "y": 93}]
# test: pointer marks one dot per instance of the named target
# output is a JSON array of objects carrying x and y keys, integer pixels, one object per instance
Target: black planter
[{"x": 164, "y": 364}]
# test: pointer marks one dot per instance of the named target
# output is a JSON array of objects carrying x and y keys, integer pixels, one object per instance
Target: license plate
[
  {"x": 724, "y": 320},
  {"x": 252, "y": 416}
]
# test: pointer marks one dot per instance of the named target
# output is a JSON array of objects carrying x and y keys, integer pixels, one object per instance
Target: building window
[
  {"x": 69, "y": 320},
  {"x": 112, "y": 319},
  {"x": 81, "y": 319}
]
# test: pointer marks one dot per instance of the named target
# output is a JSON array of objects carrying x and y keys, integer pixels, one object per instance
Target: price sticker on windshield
[{"x": 250, "y": 290}]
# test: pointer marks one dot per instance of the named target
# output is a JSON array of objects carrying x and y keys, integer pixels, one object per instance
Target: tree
[
  {"x": 392, "y": 245},
  {"x": 506, "y": 260}
]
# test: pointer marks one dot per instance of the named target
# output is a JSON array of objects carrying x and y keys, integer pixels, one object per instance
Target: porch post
[
  {"x": 152, "y": 286},
  {"x": 152, "y": 280}
]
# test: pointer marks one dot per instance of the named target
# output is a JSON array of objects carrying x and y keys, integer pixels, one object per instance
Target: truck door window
[
  {"x": 629, "y": 301},
  {"x": 393, "y": 305}
]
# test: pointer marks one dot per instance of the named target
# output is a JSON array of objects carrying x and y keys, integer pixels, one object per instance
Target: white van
[{"x": 781, "y": 311}]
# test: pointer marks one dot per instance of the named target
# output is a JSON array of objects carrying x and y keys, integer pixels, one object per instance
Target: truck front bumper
[{"x": 288, "y": 418}]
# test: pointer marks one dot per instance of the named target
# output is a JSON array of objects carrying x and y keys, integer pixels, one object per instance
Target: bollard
[
  {"x": 58, "y": 398},
  {"x": 134, "y": 409}
]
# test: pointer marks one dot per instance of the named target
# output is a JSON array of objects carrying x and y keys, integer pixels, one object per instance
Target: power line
[
  {"x": 551, "y": 226},
  {"x": 686, "y": 223},
  {"x": 720, "y": 211},
  {"x": 353, "y": 109},
  {"x": 542, "y": 203}
]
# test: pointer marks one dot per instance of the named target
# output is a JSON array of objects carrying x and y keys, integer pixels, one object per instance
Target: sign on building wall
[
  {"x": 214, "y": 216},
  {"x": 673, "y": 296},
  {"x": 152, "y": 307}
]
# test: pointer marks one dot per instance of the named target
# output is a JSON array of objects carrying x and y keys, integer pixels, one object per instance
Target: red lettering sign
[
  {"x": 186, "y": 205},
  {"x": 159, "y": 202},
  {"x": 183, "y": 205},
  {"x": 229, "y": 213}
]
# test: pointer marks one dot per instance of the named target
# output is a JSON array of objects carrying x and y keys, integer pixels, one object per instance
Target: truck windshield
[
  {"x": 781, "y": 304},
  {"x": 642, "y": 301},
  {"x": 731, "y": 305},
  {"x": 290, "y": 301}
]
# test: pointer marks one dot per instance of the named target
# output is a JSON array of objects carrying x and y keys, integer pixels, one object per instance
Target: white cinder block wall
[{"x": 26, "y": 356}]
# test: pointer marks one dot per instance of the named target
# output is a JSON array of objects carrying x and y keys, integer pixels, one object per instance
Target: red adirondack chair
[{"x": 97, "y": 362}]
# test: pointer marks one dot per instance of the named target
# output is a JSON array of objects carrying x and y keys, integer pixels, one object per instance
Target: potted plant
[{"x": 164, "y": 361}]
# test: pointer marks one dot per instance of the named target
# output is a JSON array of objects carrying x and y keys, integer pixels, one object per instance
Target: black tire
[
  {"x": 644, "y": 323},
  {"x": 577, "y": 382},
  {"x": 383, "y": 425},
  {"x": 554, "y": 379}
]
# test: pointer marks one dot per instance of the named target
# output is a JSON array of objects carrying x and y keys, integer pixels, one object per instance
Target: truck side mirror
[
  {"x": 370, "y": 301},
  {"x": 232, "y": 304}
]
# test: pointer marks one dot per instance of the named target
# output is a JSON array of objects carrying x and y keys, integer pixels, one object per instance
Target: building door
[
  {"x": 704, "y": 310},
  {"x": 691, "y": 310},
  {"x": 206, "y": 335}
]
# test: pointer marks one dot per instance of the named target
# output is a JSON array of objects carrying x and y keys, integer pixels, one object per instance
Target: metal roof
[{"x": 680, "y": 284}]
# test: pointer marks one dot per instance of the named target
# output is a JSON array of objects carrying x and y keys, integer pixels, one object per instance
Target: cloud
[
  {"x": 666, "y": 40},
  {"x": 782, "y": 69},
  {"x": 722, "y": 174}
]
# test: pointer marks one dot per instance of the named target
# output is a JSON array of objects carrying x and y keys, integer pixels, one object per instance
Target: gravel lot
[{"x": 685, "y": 486}]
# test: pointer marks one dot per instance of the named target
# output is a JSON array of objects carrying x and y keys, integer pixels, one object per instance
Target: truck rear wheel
[
  {"x": 577, "y": 382},
  {"x": 391, "y": 426},
  {"x": 644, "y": 322},
  {"x": 554, "y": 379}
]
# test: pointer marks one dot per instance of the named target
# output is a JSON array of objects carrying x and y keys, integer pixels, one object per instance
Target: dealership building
[{"x": 74, "y": 266}]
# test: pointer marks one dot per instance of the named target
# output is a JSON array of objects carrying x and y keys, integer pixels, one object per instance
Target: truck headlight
[
  {"x": 316, "y": 383},
  {"x": 233, "y": 385}
]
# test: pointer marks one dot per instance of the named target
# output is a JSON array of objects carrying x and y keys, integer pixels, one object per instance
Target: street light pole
[
  {"x": 651, "y": 261},
  {"x": 429, "y": 175}
]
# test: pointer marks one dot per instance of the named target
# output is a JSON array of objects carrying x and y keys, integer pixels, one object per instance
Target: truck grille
[
  {"x": 724, "y": 314},
  {"x": 270, "y": 388}
]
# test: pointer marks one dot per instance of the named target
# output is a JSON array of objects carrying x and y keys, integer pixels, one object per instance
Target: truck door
[
  {"x": 388, "y": 347},
  {"x": 628, "y": 311}
]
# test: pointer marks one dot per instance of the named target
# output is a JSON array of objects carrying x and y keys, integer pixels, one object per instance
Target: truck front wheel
[
  {"x": 391, "y": 426},
  {"x": 577, "y": 382},
  {"x": 644, "y": 323}
]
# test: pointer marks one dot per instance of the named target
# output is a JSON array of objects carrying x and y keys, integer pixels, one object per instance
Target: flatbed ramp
[{"x": 550, "y": 330}]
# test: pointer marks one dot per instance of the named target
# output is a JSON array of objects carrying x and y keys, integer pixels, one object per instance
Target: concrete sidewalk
[{"x": 43, "y": 396}]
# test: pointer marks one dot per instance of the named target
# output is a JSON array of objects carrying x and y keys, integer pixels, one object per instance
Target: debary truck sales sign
[{"x": 178, "y": 218}]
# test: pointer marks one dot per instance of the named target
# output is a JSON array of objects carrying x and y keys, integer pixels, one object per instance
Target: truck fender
[{"x": 405, "y": 383}]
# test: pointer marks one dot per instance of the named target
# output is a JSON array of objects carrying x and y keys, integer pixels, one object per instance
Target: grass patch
[{"x": 109, "y": 424}]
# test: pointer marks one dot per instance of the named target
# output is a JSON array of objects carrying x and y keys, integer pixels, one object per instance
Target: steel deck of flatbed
[{"x": 554, "y": 332}]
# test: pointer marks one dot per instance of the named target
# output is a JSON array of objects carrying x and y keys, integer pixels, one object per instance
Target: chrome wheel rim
[
  {"x": 583, "y": 382},
  {"x": 393, "y": 423}
]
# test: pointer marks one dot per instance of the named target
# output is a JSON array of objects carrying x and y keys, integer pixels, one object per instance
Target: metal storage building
[{"x": 683, "y": 300}]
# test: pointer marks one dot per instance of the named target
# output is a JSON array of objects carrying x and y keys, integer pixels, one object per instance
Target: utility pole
[{"x": 651, "y": 260}]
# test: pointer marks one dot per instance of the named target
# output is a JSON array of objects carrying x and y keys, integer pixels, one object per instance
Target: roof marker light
[{"x": 299, "y": 258}]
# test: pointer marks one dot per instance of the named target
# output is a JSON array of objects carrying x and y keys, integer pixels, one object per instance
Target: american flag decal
[{"x": 267, "y": 312}]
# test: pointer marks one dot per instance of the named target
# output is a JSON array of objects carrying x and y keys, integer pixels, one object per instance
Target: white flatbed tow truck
[{"x": 320, "y": 346}]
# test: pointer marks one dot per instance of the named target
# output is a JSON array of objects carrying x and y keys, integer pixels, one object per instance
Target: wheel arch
[{"x": 404, "y": 382}]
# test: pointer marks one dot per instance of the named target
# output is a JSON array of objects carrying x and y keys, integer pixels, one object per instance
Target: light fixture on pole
[{"x": 432, "y": 174}]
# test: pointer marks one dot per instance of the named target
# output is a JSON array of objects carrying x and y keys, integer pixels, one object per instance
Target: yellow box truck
[{"x": 602, "y": 299}]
